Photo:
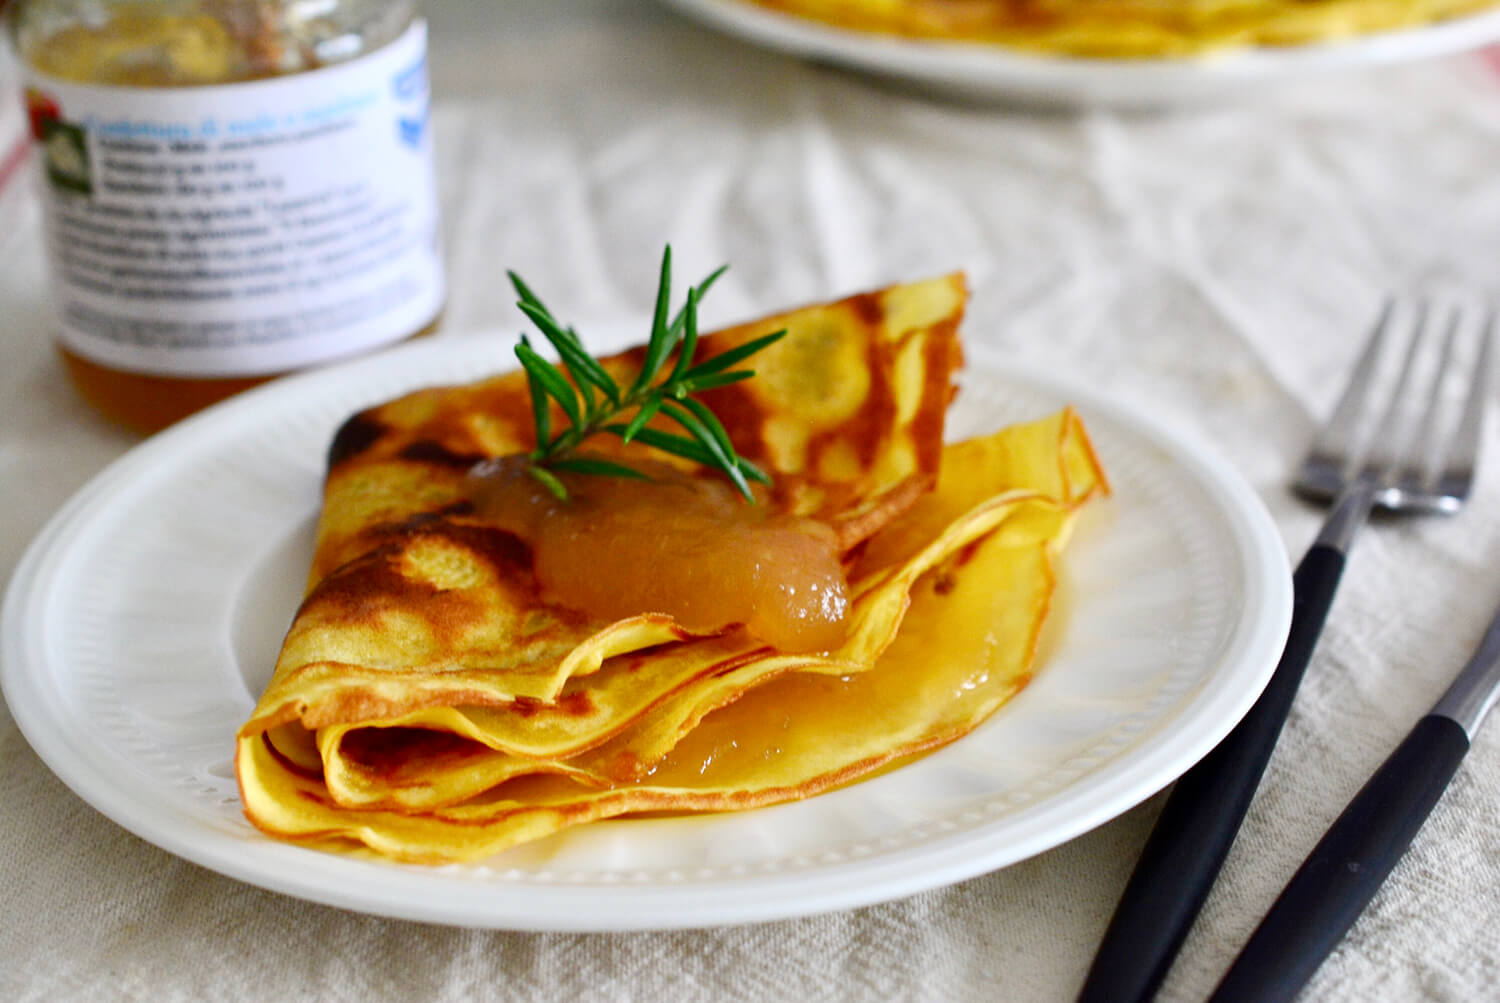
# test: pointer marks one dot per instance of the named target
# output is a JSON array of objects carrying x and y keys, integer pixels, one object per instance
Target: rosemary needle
[{"x": 593, "y": 402}]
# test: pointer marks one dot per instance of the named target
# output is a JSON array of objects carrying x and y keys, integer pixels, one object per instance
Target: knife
[{"x": 1339, "y": 878}]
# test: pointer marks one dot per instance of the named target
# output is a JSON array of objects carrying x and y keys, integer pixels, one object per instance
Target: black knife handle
[
  {"x": 1202, "y": 814},
  {"x": 1334, "y": 884}
]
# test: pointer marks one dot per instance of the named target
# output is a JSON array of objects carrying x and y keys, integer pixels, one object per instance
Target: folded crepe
[{"x": 430, "y": 705}]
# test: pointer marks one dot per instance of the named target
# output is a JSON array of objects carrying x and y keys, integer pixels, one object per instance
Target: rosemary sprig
[{"x": 593, "y": 402}]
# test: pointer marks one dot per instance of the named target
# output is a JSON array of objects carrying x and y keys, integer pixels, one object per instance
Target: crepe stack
[
  {"x": 429, "y": 705},
  {"x": 1128, "y": 28}
]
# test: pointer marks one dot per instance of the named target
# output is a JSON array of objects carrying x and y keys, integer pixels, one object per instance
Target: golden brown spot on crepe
[
  {"x": 314, "y": 797},
  {"x": 355, "y": 436},
  {"x": 867, "y": 427},
  {"x": 358, "y": 705},
  {"x": 925, "y": 427},
  {"x": 572, "y": 704},
  {"x": 577, "y": 704},
  {"x": 439, "y": 455},
  {"x": 729, "y": 665},
  {"x": 436, "y": 603},
  {"x": 366, "y": 584},
  {"x": 385, "y": 752},
  {"x": 503, "y": 551},
  {"x": 868, "y": 307}
]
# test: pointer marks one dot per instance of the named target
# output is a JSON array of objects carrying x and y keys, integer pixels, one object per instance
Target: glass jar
[{"x": 232, "y": 189}]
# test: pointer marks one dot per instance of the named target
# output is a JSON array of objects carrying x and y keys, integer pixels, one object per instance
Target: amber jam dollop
[{"x": 686, "y": 546}]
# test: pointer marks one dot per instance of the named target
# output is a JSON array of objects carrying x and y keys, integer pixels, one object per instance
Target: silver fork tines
[{"x": 1407, "y": 427}]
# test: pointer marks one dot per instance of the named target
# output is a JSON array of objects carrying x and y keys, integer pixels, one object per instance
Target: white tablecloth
[{"x": 1217, "y": 266}]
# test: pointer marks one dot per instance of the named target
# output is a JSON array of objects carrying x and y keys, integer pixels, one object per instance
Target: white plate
[
  {"x": 991, "y": 72},
  {"x": 143, "y": 621}
]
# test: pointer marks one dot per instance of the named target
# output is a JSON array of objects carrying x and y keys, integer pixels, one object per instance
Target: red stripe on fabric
[
  {"x": 10, "y": 165},
  {"x": 1491, "y": 57}
]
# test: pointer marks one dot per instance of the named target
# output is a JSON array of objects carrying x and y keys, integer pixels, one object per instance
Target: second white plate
[
  {"x": 143, "y": 622},
  {"x": 991, "y": 72}
]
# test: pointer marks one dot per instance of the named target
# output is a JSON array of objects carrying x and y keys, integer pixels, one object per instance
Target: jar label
[{"x": 242, "y": 229}]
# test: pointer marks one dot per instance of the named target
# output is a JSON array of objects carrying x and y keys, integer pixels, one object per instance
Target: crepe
[
  {"x": 429, "y": 705},
  {"x": 1128, "y": 28},
  {"x": 754, "y": 728}
]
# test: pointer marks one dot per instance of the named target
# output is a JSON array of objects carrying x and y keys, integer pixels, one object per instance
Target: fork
[{"x": 1376, "y": 451}]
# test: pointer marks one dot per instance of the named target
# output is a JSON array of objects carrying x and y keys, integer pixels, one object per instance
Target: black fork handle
[{"x": 1198, "y": 823}]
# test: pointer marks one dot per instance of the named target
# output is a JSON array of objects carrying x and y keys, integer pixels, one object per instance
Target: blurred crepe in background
[{"x": 1129, "y": 29}]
